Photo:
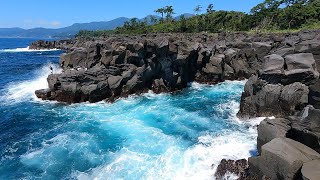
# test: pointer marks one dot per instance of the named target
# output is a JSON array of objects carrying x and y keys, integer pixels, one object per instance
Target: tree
[
  {"x": 183, "y": 24},
  {"x": 153, "y": 19},
  {"x": 210, "y": 9},
  {"x": 160, "y": 11},
  {"x": 169, "y": 12},
  {"x": 197, "y": 9}
]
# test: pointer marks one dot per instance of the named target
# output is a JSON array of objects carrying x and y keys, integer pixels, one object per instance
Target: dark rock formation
[
  {"x": 238, "y": 167},
  {"x": 306, "y": 129},
  {"x": 61, "y": 44},
  {"x": 270, "y": 129},
  {"x": 167, "y": 62},
  {"x": 282, "y": 158},
  {"x": 261, "y": 99},
  {"x": 314, "y": 94}
]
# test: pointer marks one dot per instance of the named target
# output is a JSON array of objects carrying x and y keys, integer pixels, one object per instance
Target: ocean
[{"x": 167, "y": 136}]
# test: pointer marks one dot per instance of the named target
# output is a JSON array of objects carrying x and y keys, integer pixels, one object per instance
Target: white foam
[
  {"x": 26, "y": 49},
  {"x": 199, "y": 161},
  {"x": 23, "y": 91}
]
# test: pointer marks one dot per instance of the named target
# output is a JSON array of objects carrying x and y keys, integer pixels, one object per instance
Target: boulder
[
  {"x": 272, "y": 68},
  {"x": 261, "y": 49},
  {"x": 284, "y": 51},
  {"x": 43, "y": 94},
  {"x": 307, "y": 129},
  {"x": 314, "y": 94},
  {"x": 260, "y": 100},
  {"x": 311, "y": 170},
  {"x": 270, "y": 129},
  {"x": 77, "y": 58},
  {"x": 282, "y": 158},
  {"x": 115, "y": 81},
  {"x": 273, "y": 64},
  {"x": 300, "y": 68},
  {"x": 294, "y": 97},
  {"x": 237, "y": 167}
]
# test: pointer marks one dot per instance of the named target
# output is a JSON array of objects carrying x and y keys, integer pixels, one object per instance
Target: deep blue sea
[{"x": 166, "y": 136}]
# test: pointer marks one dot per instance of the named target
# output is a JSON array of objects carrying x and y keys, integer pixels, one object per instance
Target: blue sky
[{"x": 61, "y": 13}]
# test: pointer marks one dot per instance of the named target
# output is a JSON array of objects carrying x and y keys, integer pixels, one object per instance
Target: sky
[{"x": 62, "y": 13}]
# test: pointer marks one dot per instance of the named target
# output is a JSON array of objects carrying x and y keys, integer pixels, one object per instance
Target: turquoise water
[{"x": 167, "y": 136}]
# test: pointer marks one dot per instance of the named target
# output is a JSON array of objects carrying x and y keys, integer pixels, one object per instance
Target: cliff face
[
  {"x": 106, "y": 68},
  {"x": 283, "y": 82}
]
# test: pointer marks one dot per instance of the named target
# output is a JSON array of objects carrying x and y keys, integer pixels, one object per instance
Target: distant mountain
[
  {"x": 70, "y": 31},
  {"x": 186, "y": 15}
]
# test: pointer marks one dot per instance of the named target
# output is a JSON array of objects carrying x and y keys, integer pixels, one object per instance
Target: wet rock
[
  {"x": 270, "y": 129},
  {"x": 168, "y": 62},
  {"x": 237, "y": 167},
  {"x": 282, "y": 158}
]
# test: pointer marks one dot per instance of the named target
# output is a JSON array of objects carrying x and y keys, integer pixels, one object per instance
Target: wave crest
[
  {"x": 26, "y": 49},
  {"x": 23, "y": 91}
]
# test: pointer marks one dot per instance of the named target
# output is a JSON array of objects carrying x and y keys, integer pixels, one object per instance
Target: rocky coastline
[{"x": 281, "y": 68}]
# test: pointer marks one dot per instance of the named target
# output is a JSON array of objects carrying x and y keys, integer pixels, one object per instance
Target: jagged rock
[
  {"x": 282, "y": 158},
  {"x": 261, "y": 49},
  {"x": 300, "y": 68},
  {"x": 43, "y": 94},
  {"x": 264, "y": 100},
  {"x": 314, "y": 94},
  {"x": 270, "y": 129},
  {"x": 168, "y": 62},
  {"x": 284, "y": 51},
  {"x": 158, "y": 86},
  {"x": 306, "y": 130},
  {"x": 294, "y": 97},
  {"x": 260, "y": 99},
  {"x": 77, "y": 58},
  {"x": 238, "y": 167},
  {"x": 311, "y": 170},
  {"x": 272, "y": 68},
  {"x": 273, "y": 64}
]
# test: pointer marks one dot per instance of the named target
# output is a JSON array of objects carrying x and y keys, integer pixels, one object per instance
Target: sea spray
[
  {"x": 26, "y": 49},
  {"x": 21, "y": 91}
]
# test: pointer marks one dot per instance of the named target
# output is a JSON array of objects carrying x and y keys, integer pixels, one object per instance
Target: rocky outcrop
[
  {"x": 238, "y": 167},
  {"x": 286, "y": 87},
  {"x": 168, "y": 62},
  {"x": 107, "y": 68},
  {"x": 61, "y": 44},
  {"x": 282, "y": 158},
  {"x": 282, "y": 87},
  {"x": 303, "y": 130},
  {"x": 261, "y": 99}
]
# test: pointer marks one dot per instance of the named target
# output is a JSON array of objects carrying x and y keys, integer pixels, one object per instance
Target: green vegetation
[{"x": 269, "y": 16}]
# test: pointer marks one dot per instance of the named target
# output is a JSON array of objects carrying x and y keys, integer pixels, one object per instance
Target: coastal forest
[{"x": 268, "y": 16}]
